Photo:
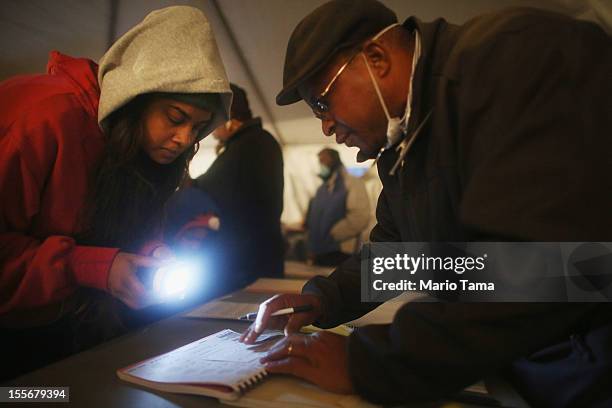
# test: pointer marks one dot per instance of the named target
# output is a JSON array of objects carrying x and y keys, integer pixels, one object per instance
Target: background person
[
  {"x": 337, "y": 214},
  {"x": 246, "y": 183},
  {"x": 89, "y": 155}
]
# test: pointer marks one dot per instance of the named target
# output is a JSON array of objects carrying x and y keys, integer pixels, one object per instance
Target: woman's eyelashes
[{"x": 175, "y": 118}]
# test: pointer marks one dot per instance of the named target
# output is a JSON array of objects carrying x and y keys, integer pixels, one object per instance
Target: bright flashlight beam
[{"x": 175, "y": 279}]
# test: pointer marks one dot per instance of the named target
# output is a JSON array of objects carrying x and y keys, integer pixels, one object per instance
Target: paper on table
[
  {"x": 231, "y": 306},
  {"x": 285, "y": 391},
  {"x": 301, "y": 270},
  {"x": 384, "y": 313},
  {"x": 274, "y": 286},
  {"x": 216, "y": 359},
  {"x": 221, "y": 309}
]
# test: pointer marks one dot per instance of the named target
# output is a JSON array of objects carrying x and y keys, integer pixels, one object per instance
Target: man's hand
[
  {"x": 123, "y": 282},
  {"x": 290, "y": 323},
  {"x": 319, "y": 358}
]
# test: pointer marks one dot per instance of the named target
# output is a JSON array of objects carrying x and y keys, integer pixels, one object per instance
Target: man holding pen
[{"x": 513, "y": 146}]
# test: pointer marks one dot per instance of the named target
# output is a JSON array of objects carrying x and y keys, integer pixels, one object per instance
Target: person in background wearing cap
[
  {"x": 246, "y": 184},
  {"x": 88, "y": 156},
  {"x": 495, "y": 130},
  {"x": 337, "y": 214}
]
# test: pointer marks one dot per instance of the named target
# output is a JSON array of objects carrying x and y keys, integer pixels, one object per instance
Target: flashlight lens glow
[{"x": 174, "y": 280}]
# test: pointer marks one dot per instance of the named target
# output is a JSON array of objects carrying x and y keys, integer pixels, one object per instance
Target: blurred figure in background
[
  {"x": 246, "y": 184},
  {"x": 337, "y": 214}
]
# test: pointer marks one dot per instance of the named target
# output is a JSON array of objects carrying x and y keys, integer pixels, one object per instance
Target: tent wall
[{"x": 251, "y": 31}]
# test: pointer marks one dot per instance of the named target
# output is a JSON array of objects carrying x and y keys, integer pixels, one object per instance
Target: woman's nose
[{"x": 183, "y": 136}]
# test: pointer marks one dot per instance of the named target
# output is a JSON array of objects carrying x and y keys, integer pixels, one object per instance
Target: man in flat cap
[{"x": 495, "y": 130}]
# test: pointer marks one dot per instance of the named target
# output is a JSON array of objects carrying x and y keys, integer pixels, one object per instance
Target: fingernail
[{"x": 258, "y": 327}]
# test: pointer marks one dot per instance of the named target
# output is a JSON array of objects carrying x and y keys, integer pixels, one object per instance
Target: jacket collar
[
  {"x": 435, "y": 48},
  {"x": 246, "y": 126},
  {"x": 339, "y": 173}
]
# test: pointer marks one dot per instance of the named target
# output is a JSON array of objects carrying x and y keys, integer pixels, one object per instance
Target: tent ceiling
[{"x": 30, "y": 29}]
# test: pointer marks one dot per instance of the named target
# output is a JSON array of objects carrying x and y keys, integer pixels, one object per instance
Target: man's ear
[{"x": 378, "y": 57}]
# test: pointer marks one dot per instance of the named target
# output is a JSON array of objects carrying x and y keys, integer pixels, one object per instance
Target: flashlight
[{"x": 171, "y": 281}]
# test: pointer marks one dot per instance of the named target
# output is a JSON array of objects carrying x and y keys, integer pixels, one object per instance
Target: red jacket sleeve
[{"x": 38, "y": 269}]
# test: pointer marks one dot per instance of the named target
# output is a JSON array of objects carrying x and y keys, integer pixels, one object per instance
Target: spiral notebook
[
  {"x": 220, "y": 366},
  {"x": 217, "y": 366}
]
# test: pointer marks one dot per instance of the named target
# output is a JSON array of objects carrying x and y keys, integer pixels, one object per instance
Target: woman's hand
[
  {"x": 290, "y": 323},
  {"x": 320, "y": 358},
  {"x": 123, "y": 281},
  {"x": 163, "y": 252},
  {"x": 193, "y": 234},
  {"x": 192, "y": 239}
]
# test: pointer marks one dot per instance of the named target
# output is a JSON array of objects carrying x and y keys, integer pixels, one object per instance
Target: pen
[{"x": 281, "y": 312}]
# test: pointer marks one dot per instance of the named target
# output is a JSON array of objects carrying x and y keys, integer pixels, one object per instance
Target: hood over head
[{"x": 173, "y": 50}]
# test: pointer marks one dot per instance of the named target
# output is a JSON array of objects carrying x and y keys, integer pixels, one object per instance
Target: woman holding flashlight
[{"x": 89, "y": 154}]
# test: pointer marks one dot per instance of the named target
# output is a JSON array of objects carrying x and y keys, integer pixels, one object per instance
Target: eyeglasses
[{"x": 319, "y": 106}]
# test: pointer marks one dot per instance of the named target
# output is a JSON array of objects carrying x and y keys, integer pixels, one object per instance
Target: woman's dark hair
[{"x": 126, "y": 206}]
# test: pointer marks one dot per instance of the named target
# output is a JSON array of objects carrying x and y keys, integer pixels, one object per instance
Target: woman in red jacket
[{"x": 88, "y": 157}]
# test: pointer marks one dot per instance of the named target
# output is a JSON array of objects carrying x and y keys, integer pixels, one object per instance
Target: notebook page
[{"x": 217, "y": 359}]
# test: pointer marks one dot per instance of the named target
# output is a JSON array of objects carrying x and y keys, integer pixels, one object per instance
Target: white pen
[{"x": 280, "y": 312}]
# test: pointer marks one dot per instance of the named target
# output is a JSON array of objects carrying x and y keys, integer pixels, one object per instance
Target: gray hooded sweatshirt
[{"x": 172, "y": 50}]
